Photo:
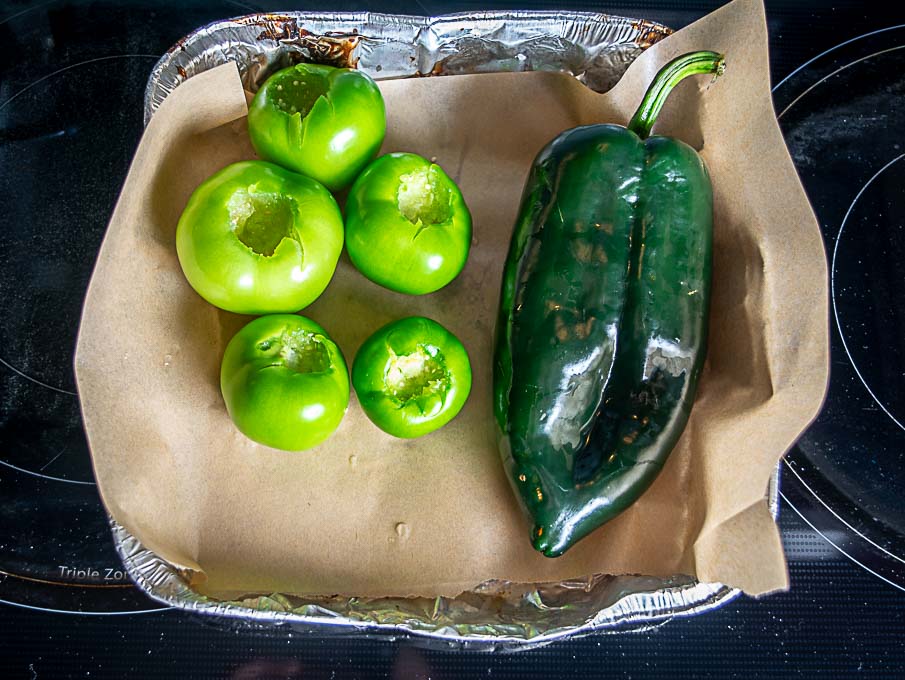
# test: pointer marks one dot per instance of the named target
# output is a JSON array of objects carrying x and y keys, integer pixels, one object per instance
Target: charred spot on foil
[
  {"x": 273, "y": 24},
  {"x": 179, "y": 45},
  {"x": 649, "y": 33},
  {"x": 280, "y": 29},
  {"x": 336, "y": 49},
  {"x": 438, "y": 69},
  {"x": 332, "y": 49}
]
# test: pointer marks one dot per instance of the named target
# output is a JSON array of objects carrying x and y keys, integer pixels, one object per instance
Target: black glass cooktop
[
  {"x": 72, "y": 77},
  {"x": 842, "y": 119},
  {"x": 61, "y": 144}
]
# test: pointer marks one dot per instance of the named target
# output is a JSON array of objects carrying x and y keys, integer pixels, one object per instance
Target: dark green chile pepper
[{"x": 603, "y": 316}]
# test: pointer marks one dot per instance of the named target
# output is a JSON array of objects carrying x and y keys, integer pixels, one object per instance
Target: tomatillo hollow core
[
  {"x": 411, "y": 377},
  {"x": 257, "y": 239},
  {"x": 407, "y": 225},
  {"x": 322, "y": 121}
]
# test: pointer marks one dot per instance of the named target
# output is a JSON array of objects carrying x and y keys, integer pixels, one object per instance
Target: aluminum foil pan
[
  {"x": 496, "y": 615},
  {"x": 596, "y": 48}
]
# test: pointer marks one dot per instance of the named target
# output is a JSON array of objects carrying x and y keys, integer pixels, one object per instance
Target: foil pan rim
[
  {"x": 162, "y": 582},
  {"x": 650, "y": 31},
  {"x": 638, "y": 603}
]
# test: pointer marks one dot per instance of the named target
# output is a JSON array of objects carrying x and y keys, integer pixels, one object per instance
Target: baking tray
[{"x": 497, "y": 615}]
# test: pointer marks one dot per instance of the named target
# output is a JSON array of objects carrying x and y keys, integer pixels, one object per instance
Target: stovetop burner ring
[
  {"x": 845, "y": 477},
  {"x": 839, "y": 325}
]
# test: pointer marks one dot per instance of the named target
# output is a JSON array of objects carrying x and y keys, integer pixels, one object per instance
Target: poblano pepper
[{"x": 603, "y": 316}]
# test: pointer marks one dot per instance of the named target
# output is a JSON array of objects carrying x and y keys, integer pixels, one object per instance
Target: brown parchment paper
[{"x": 369, "y": 515}]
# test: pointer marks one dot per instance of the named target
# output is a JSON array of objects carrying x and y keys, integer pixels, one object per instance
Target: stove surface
[
  {"x": 66, "y": 144},
  {"x": 840, "y": 116}
]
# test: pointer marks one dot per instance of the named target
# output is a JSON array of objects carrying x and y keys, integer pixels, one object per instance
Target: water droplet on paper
[
  {"x": 353, "y": 460},
  {"x": 403, "y": 530},
  {"x": 167, "y": 359}
]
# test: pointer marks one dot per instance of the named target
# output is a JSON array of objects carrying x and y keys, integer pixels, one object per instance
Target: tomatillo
[
  {"x": 321, "y": 121},
  {"x": 258, "y": 239},
  {"x": 285, "y": 382},
  {"x": 412, "y": 377},
  {"x": 407, "y": 225}
]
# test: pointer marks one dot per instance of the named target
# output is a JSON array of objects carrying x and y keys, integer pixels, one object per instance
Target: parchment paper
[{"x": 369, "y": 515}]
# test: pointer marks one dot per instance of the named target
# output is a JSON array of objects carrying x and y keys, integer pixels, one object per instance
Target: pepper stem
[{"x": 669, "y": 76}]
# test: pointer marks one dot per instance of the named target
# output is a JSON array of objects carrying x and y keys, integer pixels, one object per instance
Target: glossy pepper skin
[{"x": 603, "y": 317}]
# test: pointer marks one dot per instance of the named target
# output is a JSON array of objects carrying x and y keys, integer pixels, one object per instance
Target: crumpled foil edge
[
  {"x": 497, "y": 615},
  {"x": 596, "y": 48}
]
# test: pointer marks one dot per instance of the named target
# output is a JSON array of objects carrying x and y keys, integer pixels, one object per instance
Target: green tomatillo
[
  {"x": 407, "y": 225},
  {"x": 321, "y": 121},
  {"x": 258, "y": 239},
  {"x": 285, "y": 382},
  {"x": 411, "y": 377}
]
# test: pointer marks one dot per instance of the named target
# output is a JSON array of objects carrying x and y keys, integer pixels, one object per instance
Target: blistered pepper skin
[{"x": 602, "y": 330}]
